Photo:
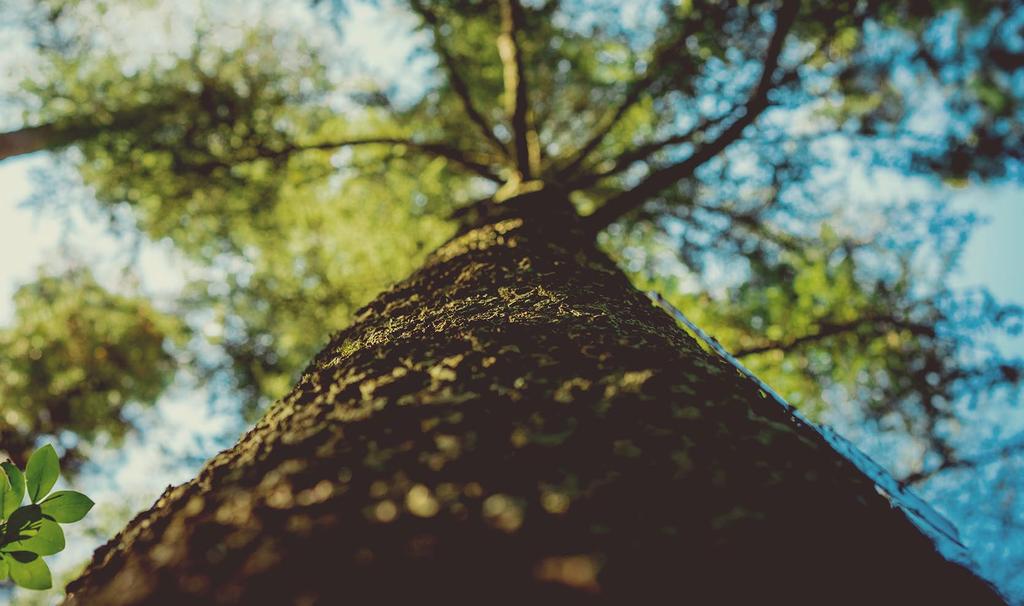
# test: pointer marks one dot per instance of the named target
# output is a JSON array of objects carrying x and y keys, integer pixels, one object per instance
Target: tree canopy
[{"x": 781, "y": 171}]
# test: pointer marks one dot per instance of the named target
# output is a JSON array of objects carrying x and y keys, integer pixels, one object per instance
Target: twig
[
  {"x": 756, "y": 103},
  {"x": 458, "y": 85}
]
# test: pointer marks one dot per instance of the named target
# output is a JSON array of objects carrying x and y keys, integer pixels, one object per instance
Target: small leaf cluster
[{"x": 29, "y": 532}]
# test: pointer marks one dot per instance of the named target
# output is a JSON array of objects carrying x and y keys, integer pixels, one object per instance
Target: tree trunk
[{"x": 516, "y": 423}]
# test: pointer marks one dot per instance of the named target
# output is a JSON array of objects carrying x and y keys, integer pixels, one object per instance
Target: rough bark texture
[{"x": 516, "y": 423}]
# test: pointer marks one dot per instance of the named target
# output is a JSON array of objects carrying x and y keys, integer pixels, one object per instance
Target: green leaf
[
  {"x": 4, "y": 568},
  {"x": 17, "y": 483},
  {"x": 43, "y": 537},
  {"x": 29, "y": 570},
  {"x": 6, "y": 492},
  {"x": 21, "y": 522},
  {"x": 41, "y": 472},
  {"x": 66, "y": 506}
]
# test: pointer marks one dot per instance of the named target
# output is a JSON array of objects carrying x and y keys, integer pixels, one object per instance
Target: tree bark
[
  {"x": 27, "y": 140},
  {"x": 55, "y": 135},
  {"x": 73, "y": 129},
  {"x": 516, "y": 423}
]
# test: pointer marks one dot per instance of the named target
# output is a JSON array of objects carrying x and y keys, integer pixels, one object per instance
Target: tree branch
[
  {"x": 456, "y": 155},
  {"x": 442, "y": 150},
  {"x": 458, "y": 85},
  {"x": 980, "y": 460},
  {"x": 756, "y": 103},
  {"x": 642, "y": 152},
  {"x": 516, "y": 97},
  {"x": 830, "y": 329},
  {"x": 73, "y": 129},
  {"x": 634, "y": 92},
  {"x": 26, "y": 140}
]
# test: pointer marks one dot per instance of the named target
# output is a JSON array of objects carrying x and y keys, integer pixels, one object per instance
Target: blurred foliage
[
  {"x": 288, "y": 164},
  {"x": 329, "y": 252},
  {"x": 75, "y": 357},
  {"x": 817, "y": 329}
]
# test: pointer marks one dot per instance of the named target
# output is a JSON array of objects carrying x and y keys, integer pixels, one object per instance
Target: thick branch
[
  {"x": 442, "y": 150},
  {"x": 26, "y": 140},
  {"x": 756, "y": 103},
  {"x": 458, "y": 85},
  {"x": 517, "y": 104},
  {"x": 76, "y": 128}
]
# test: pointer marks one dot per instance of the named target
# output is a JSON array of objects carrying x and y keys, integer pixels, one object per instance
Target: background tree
[
  {"x": 75, "y": 357},
  {"x": 697, "y": 134}
]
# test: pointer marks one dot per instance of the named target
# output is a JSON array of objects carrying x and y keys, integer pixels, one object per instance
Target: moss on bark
[{"x": 515, "y": 422}]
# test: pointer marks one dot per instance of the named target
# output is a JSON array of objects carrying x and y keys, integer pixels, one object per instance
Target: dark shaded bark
[
  {"x": 516, "y": 423},
  {"x": 62, "y": 133},
  {"x": 30, "y": 139}
]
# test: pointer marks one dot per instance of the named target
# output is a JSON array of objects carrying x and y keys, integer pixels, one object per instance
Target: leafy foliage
[
  {"x": 75, "y": 357},
  {"x": 29, "y": 532},
  {"x": 231, "y": 151},
  {"x": 749, "y": 160}
]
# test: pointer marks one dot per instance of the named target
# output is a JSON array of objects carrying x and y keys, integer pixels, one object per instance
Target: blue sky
[{"x": 995, "y": 254}]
